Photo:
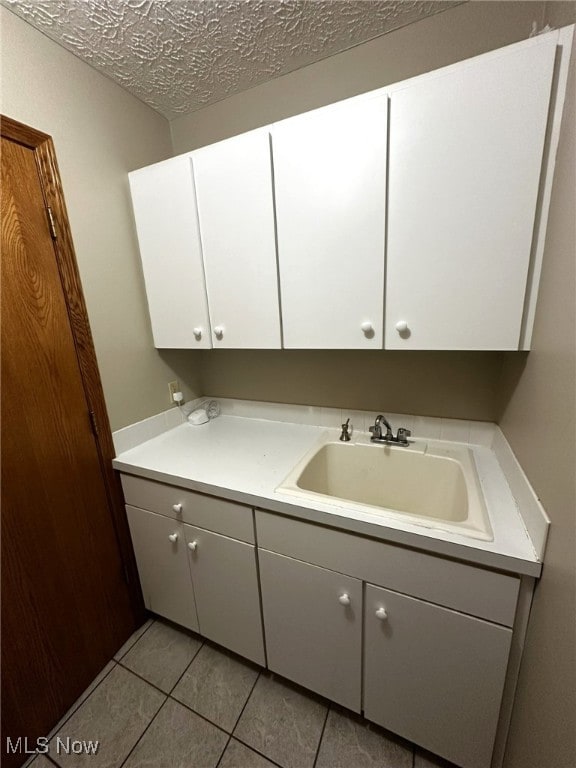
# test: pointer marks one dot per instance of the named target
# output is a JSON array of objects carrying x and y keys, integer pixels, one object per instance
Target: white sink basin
[{"x": 429, "y": 484}]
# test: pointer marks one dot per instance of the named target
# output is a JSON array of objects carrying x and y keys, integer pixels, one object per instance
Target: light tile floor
[{"x": 170, "y": 700}]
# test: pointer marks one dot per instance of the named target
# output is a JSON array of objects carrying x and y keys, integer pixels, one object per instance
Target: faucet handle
[
  {"x": 403, "y": 434},
  {"x": 345, "y": 436}
]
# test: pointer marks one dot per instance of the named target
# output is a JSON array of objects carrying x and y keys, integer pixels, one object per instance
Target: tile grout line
[
  {"x": 238, "y": 739},
  {"x": 202, "y": 717},
  {"x": 139, "y": 739},
  {"x": 72, "y": 711},
  {"x": 257, "y": 751},
  {"x": 135, "y": 643},
  {"x": 192, "y": 660},
  {"x": 118, "y": 664},
  {"x": 199, "y": 714},
  {"x": 224, "y": 750},
  {"x": 328, "y": 709},
  {"x": 250, "y": 746},
  {"x": 171, "y": 698},
  {"x": 246, "y": 702},
  {"x": 144, "y": 680}
]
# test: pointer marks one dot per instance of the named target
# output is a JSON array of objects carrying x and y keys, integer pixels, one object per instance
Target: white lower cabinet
[
  {"x": 162, "y": 560},
  {"x": 434, "y": 676},
  {"x": 225, "y": 580},
  {"x": 428, "y": 671},
  {"x": 432, "y": 672},
  {"x": 313, "y": 625},
  {"x": 206, "y": 580}
]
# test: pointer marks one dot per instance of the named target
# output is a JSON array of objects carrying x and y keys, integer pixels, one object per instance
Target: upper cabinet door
[
  {"x": 466, "y": 151},
  {"x": 236, "y": 210},
  {"x": 164, "y": 204},
  {"x": 330, "y": 183}
]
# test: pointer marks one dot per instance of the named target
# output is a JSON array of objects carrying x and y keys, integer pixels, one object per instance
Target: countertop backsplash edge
[{"x": 430, "y": 427}]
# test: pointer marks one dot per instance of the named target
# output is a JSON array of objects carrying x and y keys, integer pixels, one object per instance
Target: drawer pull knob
[
  {"x": 401, "y": 326},
  {"x": 344, "y": 599},
  {"x": 381, "y": 613},
  {"x": 177, "y": 508},
  {"x": 173, "y": 537},
  {"x": 193, "y": 545},
  {"x": 197, "y": 333}
]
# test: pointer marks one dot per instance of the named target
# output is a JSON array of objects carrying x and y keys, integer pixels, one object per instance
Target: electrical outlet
[{"x": 173, "y": 386}]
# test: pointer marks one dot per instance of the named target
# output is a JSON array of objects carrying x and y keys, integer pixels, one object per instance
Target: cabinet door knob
[
  {"x": 381, "y": 613},
  {"x": 401, "y": 326},
  {"x": 367, "y": 327},
  {"x": 344, "y": 599},
  {"x": 197, "y": 333},
  {"x": 173, "y": 537},
  {"x": 193, "y": 545},
  {"x": 219, "y": 331},
  {"x": 177, "y": 508}
]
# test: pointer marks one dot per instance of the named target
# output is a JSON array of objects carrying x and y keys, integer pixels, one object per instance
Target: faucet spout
[
  {"x": 377, "y": 436},
  {"x": 382, "y": 419},
  {"x": 377, "y": 429}
]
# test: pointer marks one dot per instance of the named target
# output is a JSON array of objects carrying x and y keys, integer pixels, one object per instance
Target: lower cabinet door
[
  {"x": 225, "y": 581},
  {"x": 313, "y": 623},
  {"x": 160, "y": 550},
  {"x": 434, "y": 676}
]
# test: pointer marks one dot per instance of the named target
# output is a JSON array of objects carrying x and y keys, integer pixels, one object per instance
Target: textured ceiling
[{"x": 180, "y": 55}]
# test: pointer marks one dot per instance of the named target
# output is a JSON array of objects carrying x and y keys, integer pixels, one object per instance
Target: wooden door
[
  {"x": 164, "y": 202},
  {"x": 66, "y": 606},
  {"x": 330, "y": 183},
  {"x": 313, "y": 626},
  {"x": 226, "y": 587},
  {"x": 465, "y": 157},
  {"x": 236, "y": 211},
  {"x": 434, "y": 676},
  {"x": 160, "y": 550}
]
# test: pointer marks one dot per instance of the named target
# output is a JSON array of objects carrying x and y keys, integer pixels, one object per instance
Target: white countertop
[{"x": 246, "y": 459}]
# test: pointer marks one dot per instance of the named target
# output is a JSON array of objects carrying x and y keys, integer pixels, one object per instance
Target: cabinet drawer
[
  {"x": 208, "y": 512},
  {"x": 467, "y": 588}
]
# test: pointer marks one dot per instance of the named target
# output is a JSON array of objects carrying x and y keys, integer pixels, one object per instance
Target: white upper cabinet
[
  {"x": 413, "y": 217},
  {"x": 236, "y": 212},
  {"x": 330, "y": 185},
  {"x": 164, "y": 204},
  {"x": 466, "y": 147}
]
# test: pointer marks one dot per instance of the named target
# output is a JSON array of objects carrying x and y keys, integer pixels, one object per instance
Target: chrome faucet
[
  {"x": 377, "y": 437},
  {"x": 377, "y": 429}
]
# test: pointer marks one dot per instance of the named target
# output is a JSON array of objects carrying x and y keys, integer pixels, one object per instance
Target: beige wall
[
  {"x": 459, "y": 385},
  {"x": 539, "y": 420},
  {"x": 444, "y": 384},
  {"x": 100, "y": 133}
]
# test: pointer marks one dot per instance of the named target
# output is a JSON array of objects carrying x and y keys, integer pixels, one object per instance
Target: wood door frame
[{"x": 45, "y": 155}]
